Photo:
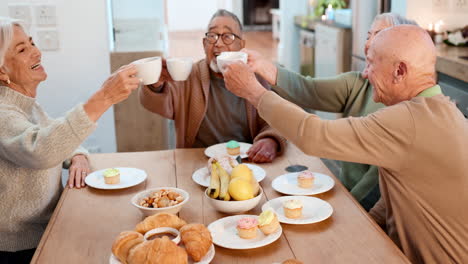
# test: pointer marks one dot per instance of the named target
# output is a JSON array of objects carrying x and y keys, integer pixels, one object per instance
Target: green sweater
[
  {"x": 347, "y": 93},
  {"x": 33, "y": 148}
]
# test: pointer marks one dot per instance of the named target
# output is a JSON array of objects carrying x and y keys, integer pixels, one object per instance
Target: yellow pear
[
  {"x": 242, "y": 171},
  {"x": 240, "y": 189}
]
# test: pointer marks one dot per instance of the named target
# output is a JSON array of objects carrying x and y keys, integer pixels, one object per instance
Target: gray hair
[
  {"x": 395, "y": 19},
  {"x": 6, "y": 35},
  {"x": 225, "y": 13}
]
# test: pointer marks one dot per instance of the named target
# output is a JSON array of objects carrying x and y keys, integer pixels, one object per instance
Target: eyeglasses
[{"x": 228, "y": 38}]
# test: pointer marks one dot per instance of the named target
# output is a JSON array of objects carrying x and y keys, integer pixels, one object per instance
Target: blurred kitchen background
[{"x": 84, "y": 41}]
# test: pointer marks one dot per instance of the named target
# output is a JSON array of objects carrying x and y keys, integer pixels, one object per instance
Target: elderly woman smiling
[{"x": 33, "y": 147}]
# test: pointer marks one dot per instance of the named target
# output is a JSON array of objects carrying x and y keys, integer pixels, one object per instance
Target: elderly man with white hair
[
  {"x": 34, "y": 147},
  {"x": 348, "y": 93},
  {"x": 419, "y": 142}
]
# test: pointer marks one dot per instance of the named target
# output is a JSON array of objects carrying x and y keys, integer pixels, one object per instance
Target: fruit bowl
[{"x": 234, "y": 207}]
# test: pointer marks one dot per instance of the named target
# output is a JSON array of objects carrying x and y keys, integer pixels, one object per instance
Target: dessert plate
[
  {"x": 220, "y": 150},
  {"x": 202, "y": 175},
  {"x": 287, "y": 184},
  {"x": 224, "y": 233},
  {"x": 314, "y": 209},
  {"x": 205, "y": 260},
  {"x": 128, "y": 177}
]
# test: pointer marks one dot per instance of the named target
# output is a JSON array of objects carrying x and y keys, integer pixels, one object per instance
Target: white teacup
[
  {"x": 149, "y": 69},
  {"x": 228, "y": 57},
  {"x": 179, "y": 68}
]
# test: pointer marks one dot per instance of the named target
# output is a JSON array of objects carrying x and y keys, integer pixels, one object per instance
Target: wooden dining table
[{"x": 86, "y": 221}]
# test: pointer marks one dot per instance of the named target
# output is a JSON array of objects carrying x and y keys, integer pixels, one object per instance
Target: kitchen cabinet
[{"x": 332, "y": 50}]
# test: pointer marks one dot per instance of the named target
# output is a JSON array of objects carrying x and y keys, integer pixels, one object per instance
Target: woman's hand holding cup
[{"x": 261, "y": 66}]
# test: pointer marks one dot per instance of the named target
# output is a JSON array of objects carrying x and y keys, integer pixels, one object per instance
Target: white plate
[
  {"x": 287, "y": 184},
  {"x": 128, "y": 177},
  {"x": 224, "y": 233},
  {"x": 314, "y": 209},
  {"x": 202, "y": 175},
  {"x": 219, "y": 150},
  {"x": 205, "y": 260}
]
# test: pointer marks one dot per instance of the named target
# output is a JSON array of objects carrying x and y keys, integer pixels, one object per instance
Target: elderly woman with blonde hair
[
  {"x": 34, "y": 147},
  {"x": 348, "y": 93}
]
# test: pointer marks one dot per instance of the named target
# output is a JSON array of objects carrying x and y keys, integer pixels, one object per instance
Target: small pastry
[
  {"x": 159, "y": 220},
  {"x": 292, "y": 261},
  {"x": 293, "y": 209},
  {"x": 159, "y": 250},
  {"x": 112, "y": 176},
  {"x": 197, "y": 240},
  {"x": 233, "y": 147},
  {"x": 124, "y": 243},
  {"x": 305, "y": 179},
  {"x": 247, "y": 227},
  {"x": 268, "y": 222}
]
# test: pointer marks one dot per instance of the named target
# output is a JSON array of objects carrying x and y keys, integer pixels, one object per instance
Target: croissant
[
  {"x": 160, "y": 220},
  {"x": 158, "y": 251},
  {"x": 197, "y": 240},
  {"x": 124, "y": 242}
]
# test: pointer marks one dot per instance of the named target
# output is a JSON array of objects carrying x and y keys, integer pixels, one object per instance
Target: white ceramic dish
[
  {"x": 234, "y": 207},
  {"x": 202, "y": 175},
  {"x": 224, "y": 233},
  {"x": 128, "y": 177},
  {"x": 162, "y": 230},
  {"x": 287, "y": 184},
  {"x": 314, "y": 209},
  {"x": 151, "y": 211},
  {"x": 219, "y": 150}
]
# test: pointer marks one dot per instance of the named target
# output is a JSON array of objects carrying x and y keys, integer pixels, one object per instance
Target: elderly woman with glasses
[
  {"x": 34, "y": 147},
  {"x": 205, "y": 112}
]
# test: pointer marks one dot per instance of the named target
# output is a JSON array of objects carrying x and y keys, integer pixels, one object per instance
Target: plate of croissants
[{"x": 134, "y": 247}]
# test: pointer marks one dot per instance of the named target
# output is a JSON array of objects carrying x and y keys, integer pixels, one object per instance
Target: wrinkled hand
[
  {"x": 78, "y": 171},
  {"x": 241, "y": 81},
  {"x": 262, "y": 151},
  {"x": 262, "y": 66},
  {"x": 120, "y": 84},
  {"x": 165, "y": 75}
]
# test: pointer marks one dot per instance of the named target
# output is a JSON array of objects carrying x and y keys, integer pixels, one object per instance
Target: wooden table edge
[{"x": 50, "y": 225}]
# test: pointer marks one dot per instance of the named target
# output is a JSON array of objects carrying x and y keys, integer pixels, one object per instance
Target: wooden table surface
[{"x": 86, "y": 221}]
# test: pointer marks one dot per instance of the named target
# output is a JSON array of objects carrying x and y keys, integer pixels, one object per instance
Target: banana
[
  {"x": 224, "y": 179},
  {"x": 213, "y": 190},
  {"x": 227, "y": 197}
]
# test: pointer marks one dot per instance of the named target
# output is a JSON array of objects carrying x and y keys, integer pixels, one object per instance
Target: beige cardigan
[
  {"x": 421, "y": 147},
  {"x": 186, "y": 103}
]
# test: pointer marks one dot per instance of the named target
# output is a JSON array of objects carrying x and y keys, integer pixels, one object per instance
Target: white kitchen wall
[
  {"x": 81, "y": 64},
  {"x": 128, "y": 9},
  {"x": 288, "y": 54},
  {"x": 186, "y": 15},
  {"x": 431, "y": 11}
]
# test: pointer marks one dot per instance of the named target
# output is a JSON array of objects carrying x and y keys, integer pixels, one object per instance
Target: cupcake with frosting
[
  {"x": 233, "y": 147},
  {"x": 293, "y": 209},
  {"x": 305, "y": 179},
  {"x": 112, "y": 176},
  {"x": 268, "y": 222},
  {"x": 247, "y": 227}
]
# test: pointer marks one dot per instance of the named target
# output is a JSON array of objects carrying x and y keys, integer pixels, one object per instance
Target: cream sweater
[
  {"x": 421, "y": 147},
  {"x": 32, "y": 150}
]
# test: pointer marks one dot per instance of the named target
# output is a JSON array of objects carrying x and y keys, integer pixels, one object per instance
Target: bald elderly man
[{"x": 420, "y": 143}]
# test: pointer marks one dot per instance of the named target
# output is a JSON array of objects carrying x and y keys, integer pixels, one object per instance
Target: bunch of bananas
[{"x": 219, "y": 182}]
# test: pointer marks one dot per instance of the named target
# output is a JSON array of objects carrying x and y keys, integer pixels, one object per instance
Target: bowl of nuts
[{"x": 160, "y": 200}]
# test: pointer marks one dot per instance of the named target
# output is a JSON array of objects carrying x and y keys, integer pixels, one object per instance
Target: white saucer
[
  {"x": 314, "y": 209},
  {"x": 202, "y": 176},
  {"x": 219, "y": 150},
  {"x": 224, "y": 233},
  {"x": 287, "y": 184},
  {"x": 128, "y": 177}
]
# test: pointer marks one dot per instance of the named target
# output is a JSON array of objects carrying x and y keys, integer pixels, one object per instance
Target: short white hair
[
  {"x": 395, "y": 19},
  {"x": 6, "y": 35}
]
